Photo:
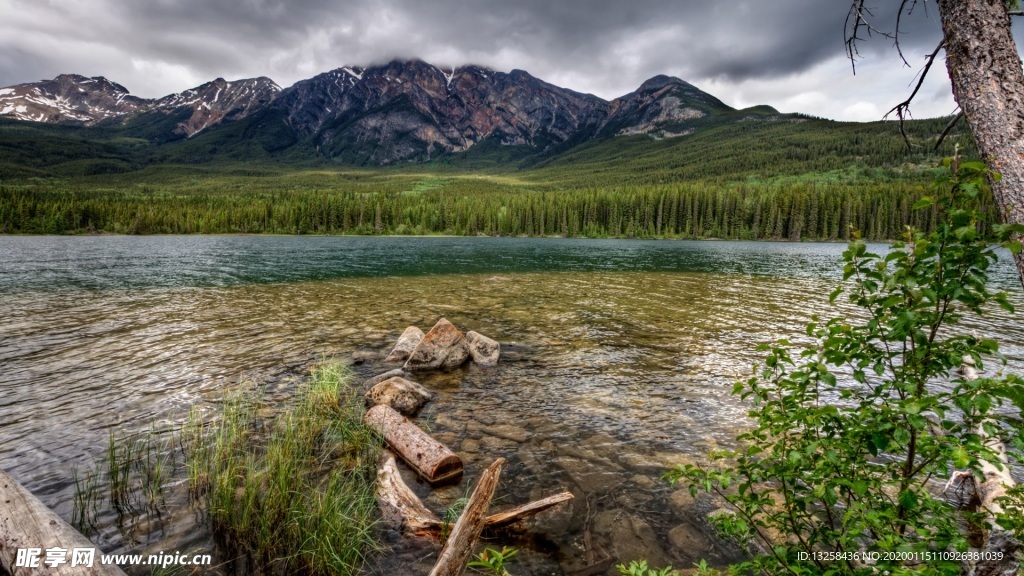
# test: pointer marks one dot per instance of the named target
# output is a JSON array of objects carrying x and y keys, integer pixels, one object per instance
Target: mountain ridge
[{"x": 400, "y": 111}]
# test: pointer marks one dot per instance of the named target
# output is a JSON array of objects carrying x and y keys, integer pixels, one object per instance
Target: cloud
[{"x": 745, "y": 52}]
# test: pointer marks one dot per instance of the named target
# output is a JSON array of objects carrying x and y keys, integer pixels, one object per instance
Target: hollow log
[
  {"x": 433, "y": 461},
  {"x": 459, "y": 547},
  {"x": 400, "y": 505},
  {"x": 27, "y": 523}
]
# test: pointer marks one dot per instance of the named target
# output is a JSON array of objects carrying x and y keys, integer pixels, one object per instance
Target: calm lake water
[{"x": 619, "y": 356}]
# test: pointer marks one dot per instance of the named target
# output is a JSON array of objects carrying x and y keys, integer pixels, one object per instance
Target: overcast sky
[{"x": 786, "y": 53}]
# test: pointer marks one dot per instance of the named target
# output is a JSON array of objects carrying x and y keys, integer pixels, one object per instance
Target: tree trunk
[{"x": 988, "y": 83}]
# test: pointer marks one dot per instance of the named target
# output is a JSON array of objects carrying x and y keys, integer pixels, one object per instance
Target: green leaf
[
  {"x": 835, "y": 294},
  {"x": 908, "y": 500},
  {"x": 924, "y": 202},
  {"x": 960, "y": 457}
]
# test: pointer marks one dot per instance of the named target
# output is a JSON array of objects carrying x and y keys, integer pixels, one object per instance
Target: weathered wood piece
[
  {"x": 432, "y": 460},
  {"x": 400, "y": 504},
  {"x": 530, "y": 508},
  {"x": 459, "y": 547},
  {"x": 1001, "y": 545},
  {"x": 25, "y": 522}
]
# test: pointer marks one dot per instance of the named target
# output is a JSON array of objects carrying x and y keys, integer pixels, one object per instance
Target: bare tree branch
[
  {"x": 908, "y": 7},
  {"x": 949, "y": 127},
  {"x": 902, "y": 109},
  {"x": 859, "y": 20}
]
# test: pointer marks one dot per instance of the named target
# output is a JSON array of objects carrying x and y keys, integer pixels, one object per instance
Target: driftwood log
[
  {"x": 432, "y": 460},
  {"x": 400, "y": 505},
  {"x": 1000, "y": 544},
  {"x": 456, "y": 551},
  {"x": 25, "y": 522}
]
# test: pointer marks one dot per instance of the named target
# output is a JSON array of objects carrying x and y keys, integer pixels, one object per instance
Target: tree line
[{"x": 794, "y": 211}]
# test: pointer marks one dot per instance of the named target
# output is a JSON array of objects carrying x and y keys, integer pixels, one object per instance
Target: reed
[
  {"x": 86, "y": 500},
  {"x": 295, "y": 493}
]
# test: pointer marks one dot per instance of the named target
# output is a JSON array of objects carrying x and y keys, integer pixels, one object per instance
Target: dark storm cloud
[{"x": 607, "y": 47}]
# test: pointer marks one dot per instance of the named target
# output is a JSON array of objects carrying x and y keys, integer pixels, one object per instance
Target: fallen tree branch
[
  {"x": 459, "y": 547},
  {"x": 400, "y": 505}
]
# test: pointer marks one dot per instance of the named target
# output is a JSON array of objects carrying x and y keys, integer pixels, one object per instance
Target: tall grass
[
  {"x": 295, "y": 494},
  {"x": 86, "y": 500},
  {"x": 133, "y": 472}
]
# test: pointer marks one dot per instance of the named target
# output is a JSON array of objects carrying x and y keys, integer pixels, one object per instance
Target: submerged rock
[
  {"x": 407, "y": 342},
  {"x": 630, "y": 538},
  {"x": 482, "y": 349},
  {"x": 403, "y": 395},
  {"x": 508, "y": 432},
  {"x": 371, "y": 382},
  {"x": 689, "y": 541},
  {"x": 364, "y": 356},
  {"x": 682, "y": 503},
  {"x": 444, "y": 347}
]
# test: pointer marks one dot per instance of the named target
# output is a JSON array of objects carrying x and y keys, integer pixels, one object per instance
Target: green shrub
[{"x": 854, "y": 435}]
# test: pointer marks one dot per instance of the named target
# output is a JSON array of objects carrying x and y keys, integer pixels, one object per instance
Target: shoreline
[{"x": 478, "y": 236}]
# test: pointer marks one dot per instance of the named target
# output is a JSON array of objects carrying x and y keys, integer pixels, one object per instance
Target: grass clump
[
  {"x": 130, "y": 480},
  {"x": 293, "y": 494}
]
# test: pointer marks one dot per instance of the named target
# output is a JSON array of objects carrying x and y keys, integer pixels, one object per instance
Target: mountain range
[{"x": 401, "y": 111}]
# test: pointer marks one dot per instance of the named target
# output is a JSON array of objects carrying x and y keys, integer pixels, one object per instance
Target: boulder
[
  {"x": 482, "y": 349},
  {"x": 403, "y": 395},
  {"x": 407, "y": 342},
  {"x": 444, "y": 347},
  {"x": 371, "y": 382}
]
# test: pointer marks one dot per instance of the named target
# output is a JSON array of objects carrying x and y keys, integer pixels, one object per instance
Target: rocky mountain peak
[
  {"x": 402, "y": 110},
  {"x": 660, "y": 81},
  {"x": 68, "y": 97}
]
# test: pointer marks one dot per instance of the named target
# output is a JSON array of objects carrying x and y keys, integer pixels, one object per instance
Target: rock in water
[
  {"x": 443, "y": 347},
  {"x": 630, "y": 537},
  {"x": 403, "y": 395},
  {"x": 407, "y": 342},
  {"x": 371, "y": 382},
  {"x": 484, "y": 351}
]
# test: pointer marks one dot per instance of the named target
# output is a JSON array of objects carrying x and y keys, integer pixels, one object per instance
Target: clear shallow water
[{"x": 619, "y": 356}]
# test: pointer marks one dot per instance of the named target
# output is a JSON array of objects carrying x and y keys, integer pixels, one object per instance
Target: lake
[{"x": 618, "y": 360}]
